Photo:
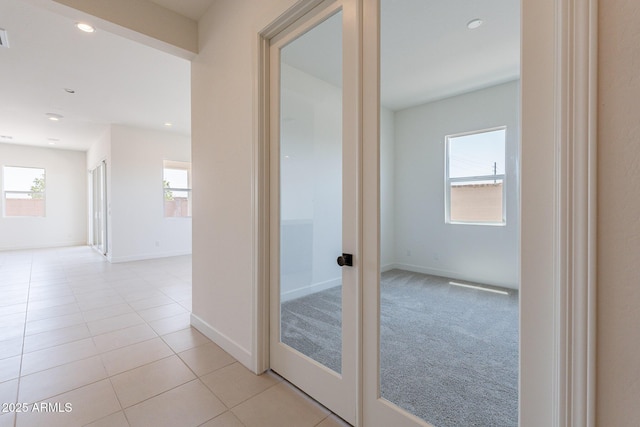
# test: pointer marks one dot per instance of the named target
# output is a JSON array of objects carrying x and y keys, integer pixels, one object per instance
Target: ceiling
[
  {"x": 116, "y": 80},
  {"x": 427, "y": 53},
  {"x": 193, "y": 9}
]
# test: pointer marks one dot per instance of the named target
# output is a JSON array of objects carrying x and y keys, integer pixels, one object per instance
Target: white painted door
[{"x": 314, "y": 205}]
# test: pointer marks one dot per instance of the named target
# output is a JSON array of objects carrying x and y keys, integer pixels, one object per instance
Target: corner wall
[
  {"x": 223, "y": 154},
  {"x": 65, "y": 223},
  {"x": 138, "y": 227},
  {"x": 424, "y": 242}
]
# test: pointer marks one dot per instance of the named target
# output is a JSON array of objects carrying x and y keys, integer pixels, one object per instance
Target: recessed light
[
  {"x": 54, "y": 117},
  {"x": 474, "y": 23},
  {"x": 167, "y": 124},
  {"x": 66, "y": 89},
  {"x": 82, "y": 26}
]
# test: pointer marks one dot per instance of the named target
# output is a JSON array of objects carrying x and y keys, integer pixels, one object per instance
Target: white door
[{"x": 314, "y": 205}]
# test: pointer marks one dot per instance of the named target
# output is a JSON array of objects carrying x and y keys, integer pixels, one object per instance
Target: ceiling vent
[{"x": 4, "y": 42}]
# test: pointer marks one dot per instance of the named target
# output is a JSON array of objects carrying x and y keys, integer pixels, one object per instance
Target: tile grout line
[
  {"x": 109, "y": 285},
  {"x": 23, "y": 343},
  {"x": 113, "y": 389},
  {"x": 24, "y": 333},
  {"x": 118, "y": 399}
]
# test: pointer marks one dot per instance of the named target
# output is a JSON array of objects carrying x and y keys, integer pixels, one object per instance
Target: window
[
  {"x": 475, "y": 176},
  {"x": 24, "y": 191},
  {"x": 177, "y": 189}
]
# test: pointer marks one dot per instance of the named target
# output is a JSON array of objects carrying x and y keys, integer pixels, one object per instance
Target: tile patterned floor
[{"x": 87, "y": 343}]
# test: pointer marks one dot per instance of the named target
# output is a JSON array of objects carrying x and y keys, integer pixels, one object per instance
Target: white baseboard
[
  {"x": 241, "y": 354},
  {"x": 311, "y": 289},
  {"x": 143, "y": 257},
  {"x": 43, "y": 246},
  {"x": 448, "y": 274}
]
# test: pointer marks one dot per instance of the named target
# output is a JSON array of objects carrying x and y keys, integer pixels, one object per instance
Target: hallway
[{"x": 101, "y": 344}]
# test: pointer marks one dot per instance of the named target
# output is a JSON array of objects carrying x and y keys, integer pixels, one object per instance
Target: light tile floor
[{"x": 86, "y": 342}]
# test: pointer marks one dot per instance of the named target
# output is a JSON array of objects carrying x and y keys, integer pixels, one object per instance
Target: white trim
[
  {"x": 311, "y": 289},
  {"x": 43, "y": 246},
  {"x": 260, "y": 183},
  {"x": 558, "y": 309},
  {"x": 238, "y": 352},
  {"x": 444, "y": 273},
  {"x": 577, "y": 186},
  {"x": 260, "y": 212}
]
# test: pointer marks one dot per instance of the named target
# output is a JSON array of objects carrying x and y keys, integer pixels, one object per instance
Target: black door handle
[{"x": 345, "y": 259}]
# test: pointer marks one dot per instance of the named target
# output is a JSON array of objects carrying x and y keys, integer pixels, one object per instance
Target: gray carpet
[{"x": 449, "y": 354}]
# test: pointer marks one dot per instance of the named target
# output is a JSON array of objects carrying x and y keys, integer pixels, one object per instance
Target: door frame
[
  {"x": 100, "y": 168},
  {"x": 558, "y": 203}
]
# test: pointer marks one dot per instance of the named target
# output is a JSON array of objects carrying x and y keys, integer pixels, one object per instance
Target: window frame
[
  {"x": 177, "y": 165},
  {"x": 5, "y": 192},
  {"x": 448, "y": 181}
]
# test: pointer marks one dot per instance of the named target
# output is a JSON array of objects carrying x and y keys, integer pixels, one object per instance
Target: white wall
[
  {"x": 100, "y": 150},
  {"x": 138, "y": 228},
  {"x": 65, "y": 223},
  {"x": 223, "y": 136},
  {"x": 423, "y": 241}
]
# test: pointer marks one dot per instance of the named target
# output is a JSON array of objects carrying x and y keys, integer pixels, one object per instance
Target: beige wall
[
  {"x": 137, "y": 157},
  {"x": 618, "y": 358},
  {"x": 223, "y": 102}
]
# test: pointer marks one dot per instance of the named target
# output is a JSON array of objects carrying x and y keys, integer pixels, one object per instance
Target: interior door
[{"x": 314, "y": 205}]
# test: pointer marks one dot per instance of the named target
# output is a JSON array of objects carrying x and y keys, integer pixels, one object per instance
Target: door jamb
[{"x": 558, "y": 257}]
